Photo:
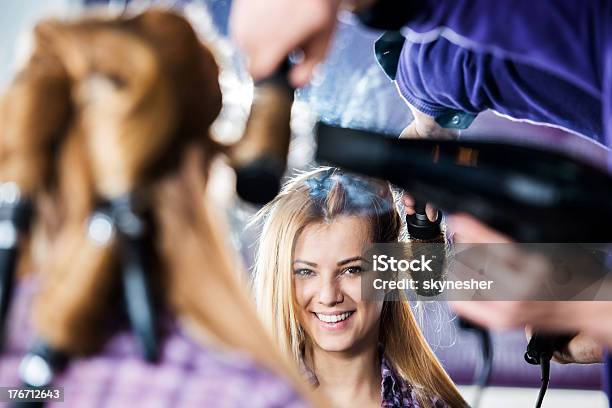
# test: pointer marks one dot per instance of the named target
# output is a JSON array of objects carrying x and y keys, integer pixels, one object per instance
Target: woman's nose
[{"x": 330, "y": 293}]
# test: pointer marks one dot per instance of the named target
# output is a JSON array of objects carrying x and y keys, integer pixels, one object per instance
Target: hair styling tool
[
  {"x": 422, "y": 230},
  {"x": 132, "y": 231},
  {"x": 15, "y": 216},
  {"x": 483, "y": 374},
  {"x": 527, "y": 193},
  {"x": 260, "y": 157},
  {"x": 426, "y": 238},
  {"x": 37, "y": 369}
]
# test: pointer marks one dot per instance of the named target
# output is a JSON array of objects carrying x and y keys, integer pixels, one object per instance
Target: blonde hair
[
  {"x": 132, "y": 101},
  {"x": 319, "y": 196}
]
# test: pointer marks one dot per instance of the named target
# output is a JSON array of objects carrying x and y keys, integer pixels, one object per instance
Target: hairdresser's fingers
[
  {"x": 482, "y": 253},
  {"x": 468, "y": 229},
  {"x": 425, "y": 126},
  {"x": 503, "y": 315},
  {"x": 431, "y": 211},
  {"x": 505, "y": 260},
  {"x": 268, "y": 30},
  {"x": 263, "y": 55},
  {"x": 495, "y": 315},
  {"x": 528, "y": 331},
  {"x": 594, "y": 319},
  {"x": 506, "y": 281},
  {"x": 410, "y": 132},
  {"x": 482, "y": 314},
  {"x": 408, "y": 202},
  {"x": 581, "y": 349},
  {"x": 314, "y": 52}
]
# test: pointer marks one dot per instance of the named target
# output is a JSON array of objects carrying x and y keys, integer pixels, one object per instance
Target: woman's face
[{"x": 327, "y": 267}]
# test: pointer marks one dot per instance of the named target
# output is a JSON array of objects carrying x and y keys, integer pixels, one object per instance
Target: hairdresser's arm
[
  {"x": 268, "y": 30},
  {"x": 444, "y": 85},
  {"x": 591, "y": 318},
  {"x": 563, "y": 34},
  {"x": 566, "y": 36},
  {"x": 424, "y": 125}
]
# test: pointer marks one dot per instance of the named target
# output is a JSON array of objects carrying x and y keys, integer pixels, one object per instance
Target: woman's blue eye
[
  {"x": 303, "y": 272},
  {"x": 352, "y": 270}
]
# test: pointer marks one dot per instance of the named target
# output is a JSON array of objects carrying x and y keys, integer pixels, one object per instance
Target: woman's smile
[{"x": 334, "y": 320}]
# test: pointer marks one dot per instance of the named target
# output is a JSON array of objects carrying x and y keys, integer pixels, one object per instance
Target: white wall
[{"x": 502, "y": 397}]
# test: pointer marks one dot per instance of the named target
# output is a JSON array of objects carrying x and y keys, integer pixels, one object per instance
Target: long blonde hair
[
  {"x": 113, "y": 107},
  {"x": 320, "y": 196}
]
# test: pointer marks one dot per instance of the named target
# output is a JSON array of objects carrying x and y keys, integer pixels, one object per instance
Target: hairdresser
[
  {"x": 542, "y": 62},
  {"x": 567, "y": 42},
  {"x": 442, "y": 105}
]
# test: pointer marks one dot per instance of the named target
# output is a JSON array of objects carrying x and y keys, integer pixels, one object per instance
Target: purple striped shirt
[{"x": 188, "y": 374}]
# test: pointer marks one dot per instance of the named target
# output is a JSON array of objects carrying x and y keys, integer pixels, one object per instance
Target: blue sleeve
[
  {"x": 565, "y": 36},
  {"x": 439, "y": 75},
  {"x": 449, "y": 82},
  {"x": 569, "y": 38}
]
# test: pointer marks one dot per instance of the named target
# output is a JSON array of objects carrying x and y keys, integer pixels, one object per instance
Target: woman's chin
[
  {"x": 334, "y": 342},
  {"x": 334, "y": 345}
]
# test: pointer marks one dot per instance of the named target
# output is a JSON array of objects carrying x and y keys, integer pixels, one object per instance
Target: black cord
[
  {"x": 133, "y": 230},
  {"x": 483, "y": 373},
  {"x": 8, "y": 259},
  {"x": 15, "y": 215},
  {"x": 540, "y": 350},
  {"x": 545, "y": 368}
]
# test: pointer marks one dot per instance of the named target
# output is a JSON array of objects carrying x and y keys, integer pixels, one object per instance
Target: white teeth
[{"x": 333, "y": 318}]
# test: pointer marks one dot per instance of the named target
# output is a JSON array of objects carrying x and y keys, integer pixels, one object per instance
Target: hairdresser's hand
[
  {"x": 467, "y": 229},
  {"x": 507, "y": 266},
  {"x": 268, "y": 30},
  {"x": 408, "y": 202},
  {"x": 425, "y": 126},
  {"x": 590, "y": 318},
  {"x": 464, "y": 229},
  {"x": 581, "y": 349}
]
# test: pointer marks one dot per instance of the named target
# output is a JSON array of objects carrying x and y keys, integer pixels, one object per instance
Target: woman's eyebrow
[
  {"x": 305, "y": 262},
  {"x": 349, "y": 260}
]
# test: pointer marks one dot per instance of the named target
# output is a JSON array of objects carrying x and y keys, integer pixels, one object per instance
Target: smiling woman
[
  {"x": 327, "y": 266},
  {"x": 308, "y": 289}
]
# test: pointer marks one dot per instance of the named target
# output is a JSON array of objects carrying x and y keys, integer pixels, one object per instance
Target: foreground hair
[
  {"x": 108, "y": 108},
  {"x": 320, "y": 196}
]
